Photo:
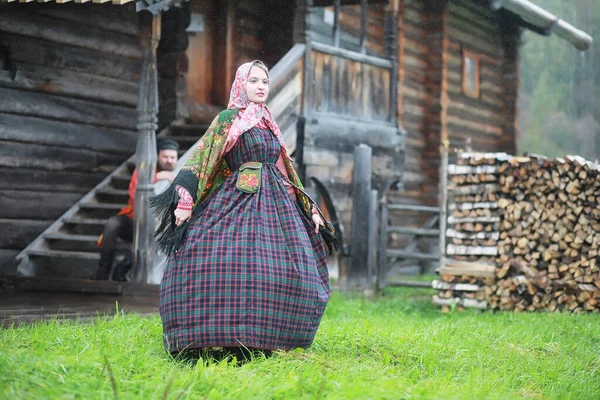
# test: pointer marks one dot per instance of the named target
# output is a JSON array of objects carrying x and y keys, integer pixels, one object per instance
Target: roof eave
[{"x": 547, "y": 22}]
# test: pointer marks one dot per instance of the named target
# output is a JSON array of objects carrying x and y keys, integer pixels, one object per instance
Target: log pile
[
  {"x": 473, "y": 230},
  {"x": 549, "y": 236},
  {"x": 536, "y": 220}
]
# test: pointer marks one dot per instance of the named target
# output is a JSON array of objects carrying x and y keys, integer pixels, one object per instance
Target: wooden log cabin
[{"x": 403, "y": 76}]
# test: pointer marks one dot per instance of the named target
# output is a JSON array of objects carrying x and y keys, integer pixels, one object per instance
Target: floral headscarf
[{"x": 250, "y": 113}]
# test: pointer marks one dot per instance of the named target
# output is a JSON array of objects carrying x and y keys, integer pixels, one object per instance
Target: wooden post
[
  {"x": 372, "y": 239},
  {"x": 361, "y": 197},
  {"x": 364, "y": 16},
  {"x": 337, "y": 7},
  {"x": 143, "y": 241},
  {"x": 382, "y": 264},
  {"x": 443, "y": 200}
]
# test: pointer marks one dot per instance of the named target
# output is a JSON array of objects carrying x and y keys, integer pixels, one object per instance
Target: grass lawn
[{"x": 395, "y": 348}]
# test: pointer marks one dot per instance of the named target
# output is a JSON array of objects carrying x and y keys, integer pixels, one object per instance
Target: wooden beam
[
  {"x": 401, "y": 43},
  {"x": 63, "y": 1},
  {"x": 101, "y": 1},
  {"x": 413, "y": 207},
  {"x": 352, "y": 55},
  {"x": 82, "y": 1},
  {"x": 121, "y": 2},
  {"x": 336, "y": 22},
  {"x": 364, "y": 16},
  {"x": 52, "y": 30}
]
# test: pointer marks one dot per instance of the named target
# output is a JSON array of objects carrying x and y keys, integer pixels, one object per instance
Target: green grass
[{"x": 398, "y": 347}]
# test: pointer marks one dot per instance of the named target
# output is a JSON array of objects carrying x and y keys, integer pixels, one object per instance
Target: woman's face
[{"x": 257, "y": 87}]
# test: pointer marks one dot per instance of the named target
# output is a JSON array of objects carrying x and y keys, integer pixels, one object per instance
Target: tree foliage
[{"x": 559, "y": 109}]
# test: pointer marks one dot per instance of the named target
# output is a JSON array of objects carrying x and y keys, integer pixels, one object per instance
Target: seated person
[{"x": 121, "y": 225}]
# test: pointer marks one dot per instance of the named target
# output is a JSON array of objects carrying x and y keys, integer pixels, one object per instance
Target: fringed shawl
[{"x": 205, "y": 172}]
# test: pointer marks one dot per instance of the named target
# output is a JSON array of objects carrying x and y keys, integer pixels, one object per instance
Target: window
[{"x": 470, "y": 74}]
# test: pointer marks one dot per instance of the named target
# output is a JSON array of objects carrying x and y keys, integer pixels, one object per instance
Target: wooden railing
[
  {"x": 350, "y": 84},
  {"x": 285, "y": 98}
]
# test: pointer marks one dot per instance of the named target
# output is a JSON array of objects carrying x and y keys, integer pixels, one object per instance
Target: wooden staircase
[
  {"x": 65, "y": 255},
  {"x": 68, "y": 249}
]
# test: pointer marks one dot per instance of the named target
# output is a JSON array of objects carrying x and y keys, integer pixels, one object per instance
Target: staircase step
[
  {"x": 112, "y": 195},
  {"x": 413, "y": 207},
  {"x": 84, "y": 243},
  {"x": 412, "y": 255},
  {"x": 84, "y": 226},
  {"x": 64, "y": 264},
  {"x": 413, "y": 231},
  {"x": 83, "y": 255},
  {"x": 121, "y": 182},
  {"x": 99, "y": 210}
]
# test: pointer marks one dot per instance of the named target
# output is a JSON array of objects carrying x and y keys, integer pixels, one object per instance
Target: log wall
[
  {"x": 68, "y": 96},
  {"x": 432, "y": 105},
  {"x": 256, "y": 37}
]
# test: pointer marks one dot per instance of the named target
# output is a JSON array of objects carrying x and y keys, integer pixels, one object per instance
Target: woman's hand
[
  {"x": 318, "y": 221},
  {"x": 181, "y": 216}
]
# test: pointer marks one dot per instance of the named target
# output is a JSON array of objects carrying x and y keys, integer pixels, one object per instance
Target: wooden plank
[
  {"x": 35, "y": 205},
  {"x": 461, "y": 287},
  {"x": 474, "y": 206},
  {"x": 343, "y": 135},
  {"x": 18, "y": 233},
  {"x": 456, "y": 220},
  {"x": 473, "y": 236},
  {"x": 469, "y": 303},
  {"x": 411, "y": 255},
  {"x": 42, "y": 180},
  {"x": 453, "y": 249},
  {"x": 26, "y": 155},
  {"x": 67, "y": 109},
  {"x": 43, "y": 132},
  {"x": 406, "y": 283},
  {"x": 70, "y": 83},
  {"x": 472, "y": 189},
  {"x": 36, "y": 51},
  {"x": 467, "y": 268},
  {"x": 100, "y": 40},
  {"x": 469, "y": 169},
  {"x": 413, "y": 231},
  {"x": 413, "y": 207}
]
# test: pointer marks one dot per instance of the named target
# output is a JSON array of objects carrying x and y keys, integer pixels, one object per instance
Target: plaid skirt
[{"x": 251, "y": 270}]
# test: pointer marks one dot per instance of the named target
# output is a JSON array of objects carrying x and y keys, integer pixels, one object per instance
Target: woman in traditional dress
[{"x": 247, "y": 266}]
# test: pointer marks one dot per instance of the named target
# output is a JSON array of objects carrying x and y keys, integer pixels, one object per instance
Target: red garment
[{"x": 128, "y": 209}]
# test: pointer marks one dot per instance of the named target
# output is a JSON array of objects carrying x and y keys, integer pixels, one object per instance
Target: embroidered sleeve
[{"x": 186, "y": 202}]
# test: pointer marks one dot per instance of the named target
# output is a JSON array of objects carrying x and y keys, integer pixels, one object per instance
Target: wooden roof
[
  {"x": 153, "y": 6},
  {"x": 115, "y": 2}
]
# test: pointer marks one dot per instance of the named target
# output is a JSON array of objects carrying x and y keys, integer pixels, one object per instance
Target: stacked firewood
[
  {"x": 549, "y": 236},
  {"x": 473, "y": 230},
  {"x": 536, "y": 224}
]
